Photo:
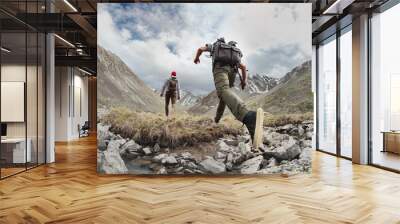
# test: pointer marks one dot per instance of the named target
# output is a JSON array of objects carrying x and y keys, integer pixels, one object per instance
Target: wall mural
[{"x": 204, "y": 89}]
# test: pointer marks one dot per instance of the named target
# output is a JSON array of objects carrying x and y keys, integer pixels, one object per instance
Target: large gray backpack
[{"x": 226, "y": 54}]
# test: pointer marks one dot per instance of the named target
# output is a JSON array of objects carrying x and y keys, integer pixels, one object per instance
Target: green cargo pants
[{"x": 224, "y": 78}]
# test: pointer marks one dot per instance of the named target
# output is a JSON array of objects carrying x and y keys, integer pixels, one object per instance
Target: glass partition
[
  {"x": 31, "y": 98},
  {"x": 327, "y": 96},
  {"x": 22, "y": 77},
  {"x": 14, "y": 153}
]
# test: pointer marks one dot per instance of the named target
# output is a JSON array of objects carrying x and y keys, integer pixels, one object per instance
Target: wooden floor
[{"x": 70, "y": 191}]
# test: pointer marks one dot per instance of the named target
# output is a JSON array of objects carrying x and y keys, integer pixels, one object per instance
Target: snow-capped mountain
[
  {"x": 188, "y": 98},
  {"x": 256, "y": 85},
  {"x": 261, "y": 83}
]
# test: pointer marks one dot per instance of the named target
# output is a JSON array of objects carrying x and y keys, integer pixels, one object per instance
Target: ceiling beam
[
  {"x": 81, "y": 61},
  {"x": 88, "y": 29}
]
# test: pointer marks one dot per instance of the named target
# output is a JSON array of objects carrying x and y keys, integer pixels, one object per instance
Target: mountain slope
[
  {"x": 293, "y": 95},
  {"x": 119, "y": 86}
]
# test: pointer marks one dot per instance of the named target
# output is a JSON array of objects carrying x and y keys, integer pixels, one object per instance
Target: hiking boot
[
  {"x": 217, "y": 119},
  {"x": 250, "y": 121}
]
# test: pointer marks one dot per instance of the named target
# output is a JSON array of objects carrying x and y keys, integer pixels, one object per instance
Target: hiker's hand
[
  {"x": 161, "y": 95},
  {"x": 243, "y": 84},
  {"x": 197, "y": 60}
]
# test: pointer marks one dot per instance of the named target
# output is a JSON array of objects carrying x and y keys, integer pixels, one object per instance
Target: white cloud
[{"x": 154, "y": 39}]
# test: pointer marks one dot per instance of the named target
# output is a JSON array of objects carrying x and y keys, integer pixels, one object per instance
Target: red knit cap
[{"x": 173, "y": 74}]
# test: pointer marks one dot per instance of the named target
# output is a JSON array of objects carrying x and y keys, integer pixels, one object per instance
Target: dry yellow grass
[
  {"x": 181, "y": 130},
  {"x": 271, "y": 120}
]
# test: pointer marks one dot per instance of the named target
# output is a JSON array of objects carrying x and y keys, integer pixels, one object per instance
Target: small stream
[{"x": 138, "y": 166}]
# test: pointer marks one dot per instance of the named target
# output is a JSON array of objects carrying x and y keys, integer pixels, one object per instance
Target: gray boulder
[
  {"x": 162, "y": 170},
  {"x": 186, "y": 155},
  {"x": 156, "y": 148},
  {"x": 103, "y": 132},
  {"x": 286, "y": 128},
  {"x": 231, "y": 142},
  {"x": 188, "y": 171},
  {"x": 309, "y": 135},
  {"x": 102, "y": 144},
  {"x": 275, "y": 139},
  {"x": 244, "y": 148},
  {"x": 222, "y": 146},
  {"x": 229, "y": 158},
  {"x": 178, "y": 170},
  {"x": 115, "y": 144},
  {"x": 301, "y": 130},
  {"x": 112, "y": 162},
  {"x": 191, "y": 165},
  {"x": 305, "y": 159},
  {"x": 270, "y": 170},
  {"x": 238, "y": 158},
  {"x": 160, "y": 157},
  {"x": 270, "y": 163},
  {"x": 306, "y": 143},
  {"x": 103, "y": 136},
  {"x": 131, "y": 147},
  {"x": 220, "y": 156},
  {"x": 251, "y": 166},
  {"x": 306, "y": 154},
  {"x": 147, "y": 151},
  {"x": 243, "y": 138},
  {"x": 287, "y": 151},
  {"x": 213, "y": 166},
  {"x": 169, "y": 160}
]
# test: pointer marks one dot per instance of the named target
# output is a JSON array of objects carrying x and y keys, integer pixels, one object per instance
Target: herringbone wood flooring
[{"x": 70, "y": 191}]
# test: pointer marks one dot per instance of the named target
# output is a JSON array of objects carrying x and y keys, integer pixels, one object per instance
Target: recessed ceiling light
[
  {"x": 5, "y": 50},
  {"x": 338, "y": 6},
  {"x": 64, "y": 40},
  {"x": 84, "y": 71},
  {"x": 70, "y": 5}
]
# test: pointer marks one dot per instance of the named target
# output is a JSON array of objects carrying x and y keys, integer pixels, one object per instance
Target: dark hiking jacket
[{"x": 171, "y": 86}]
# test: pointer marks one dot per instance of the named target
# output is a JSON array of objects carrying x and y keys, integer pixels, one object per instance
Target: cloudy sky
[{"x": 154, "y": 39}]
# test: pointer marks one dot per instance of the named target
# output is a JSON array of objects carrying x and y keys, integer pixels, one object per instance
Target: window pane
[
  {"x": 327, "y": 97},
  {"x": 346, "y": 94},
  {"x": 386, "y": 88}
]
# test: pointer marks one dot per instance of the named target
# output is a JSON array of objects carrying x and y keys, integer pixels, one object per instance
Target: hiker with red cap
[{"x": 171, "y": 91}]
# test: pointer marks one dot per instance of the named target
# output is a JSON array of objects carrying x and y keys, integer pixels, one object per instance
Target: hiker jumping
[
  {"x": 171, "y": 91},
  {"x": 226, "y": 60}
]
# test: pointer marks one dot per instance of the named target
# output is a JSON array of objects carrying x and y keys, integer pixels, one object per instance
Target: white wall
[{"x": 70, "y": 83}]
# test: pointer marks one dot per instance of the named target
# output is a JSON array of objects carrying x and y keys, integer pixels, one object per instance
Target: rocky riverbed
[{"x": 286, "y": 150}]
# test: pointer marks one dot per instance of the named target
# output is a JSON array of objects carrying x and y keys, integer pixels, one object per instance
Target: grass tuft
[
  {"x": 181, "y": 130},
  {"x": 271, "y": 120}
]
